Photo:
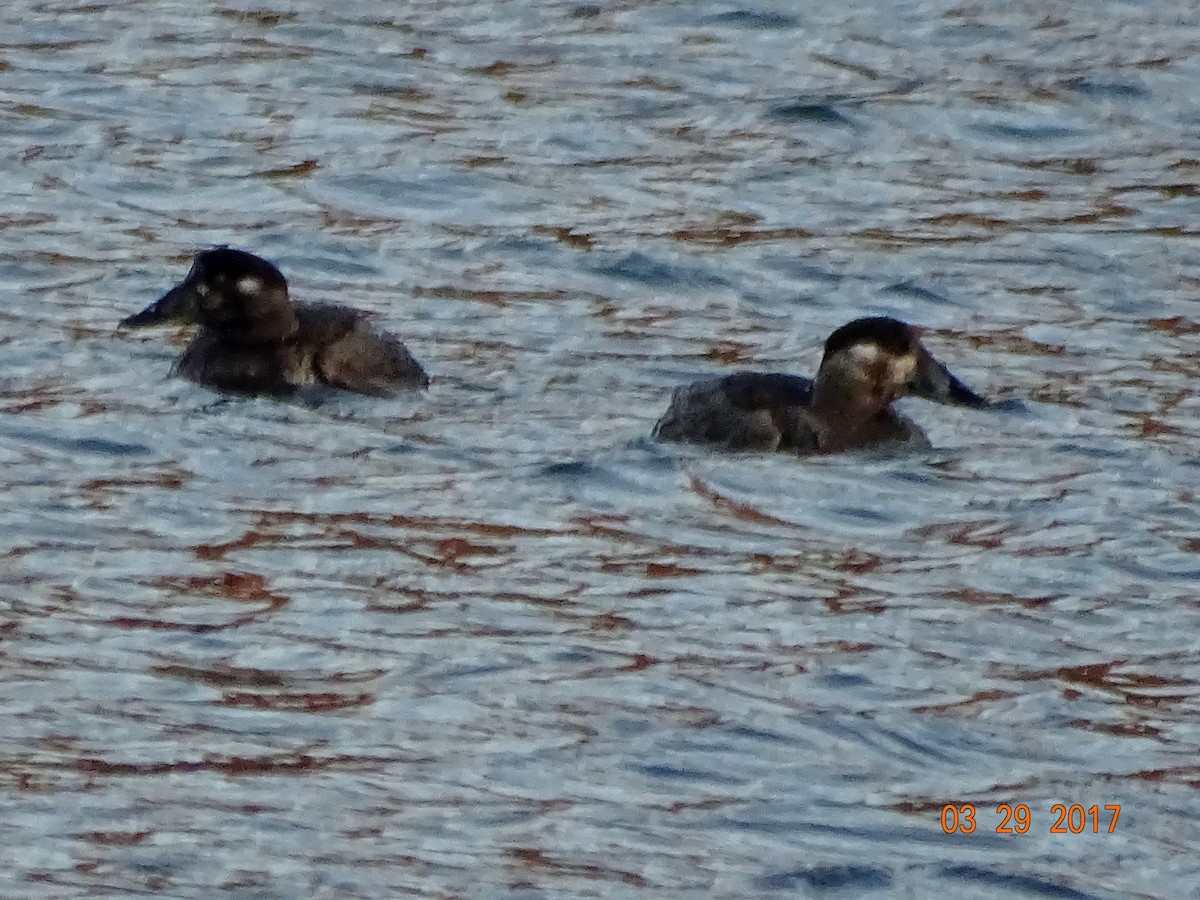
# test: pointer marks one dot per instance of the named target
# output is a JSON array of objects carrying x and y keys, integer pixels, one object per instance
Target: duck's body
[
  {"x": 765, "y": 411},
  {"x": 330, "y": 345},
  {"x": 868, "y": 364},
  {"x": 254, "y": 340}
]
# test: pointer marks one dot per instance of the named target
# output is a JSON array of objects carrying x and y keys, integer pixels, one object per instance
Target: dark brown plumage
[
  {"x": 868, "y": 364},
  {"x": 254, "y": 340}
]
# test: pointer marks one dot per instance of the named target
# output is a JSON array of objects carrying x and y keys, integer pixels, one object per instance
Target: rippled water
[{"x": 492, "y": 641}]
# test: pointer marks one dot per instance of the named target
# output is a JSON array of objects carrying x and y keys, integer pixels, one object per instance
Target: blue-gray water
[{"x": 493, "y": 642}]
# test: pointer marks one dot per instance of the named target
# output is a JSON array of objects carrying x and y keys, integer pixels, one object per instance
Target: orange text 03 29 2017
[{"x": 1016, "y": 818}]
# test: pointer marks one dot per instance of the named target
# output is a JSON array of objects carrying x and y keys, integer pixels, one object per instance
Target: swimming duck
[
  {"x": 868, "y": 364},
  {"x": 254, "y": 340}
]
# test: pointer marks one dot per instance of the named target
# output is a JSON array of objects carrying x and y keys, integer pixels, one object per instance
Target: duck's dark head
[
  {"x": 227, "y": 290},
  {"x": 875, "y": 361}
]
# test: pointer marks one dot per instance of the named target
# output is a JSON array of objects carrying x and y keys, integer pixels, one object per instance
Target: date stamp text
[{"x": 963, "y": 818}]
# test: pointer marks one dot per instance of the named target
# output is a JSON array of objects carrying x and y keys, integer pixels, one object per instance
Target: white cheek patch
[
  {"x": 864, "y": 355},
  {"x": 249, "y": 284},
  {"x": 879, "y": 367},
  {"x": 903, "y": 368}
]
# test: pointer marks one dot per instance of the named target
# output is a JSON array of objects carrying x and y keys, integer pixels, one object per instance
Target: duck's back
[
  {"x": 346, "y": 352},
  {"x": 332, "y": 345},
  {"x": 742, "y": 411}
]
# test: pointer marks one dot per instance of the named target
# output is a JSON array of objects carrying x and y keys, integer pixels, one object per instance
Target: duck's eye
[{"x": 249, "y": 284}]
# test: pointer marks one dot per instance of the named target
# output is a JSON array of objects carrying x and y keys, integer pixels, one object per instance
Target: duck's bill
[
  {"x": 935, "y": 382},
  {"x": 176, "y": 305}
]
